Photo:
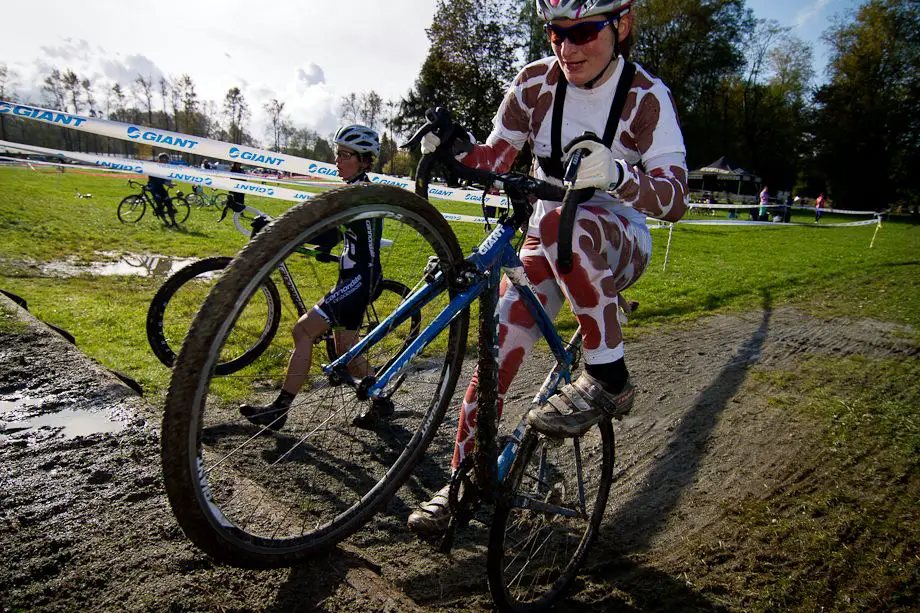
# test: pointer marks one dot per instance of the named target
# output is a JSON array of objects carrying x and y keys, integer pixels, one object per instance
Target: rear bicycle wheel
[
  {"x": 131, "y": 209},
  {"x": 548, "y": 515},
  {"x": 255, "y": 497},
  {"x": 178, "y": 300},
  {"x": 194, "y": 199}
]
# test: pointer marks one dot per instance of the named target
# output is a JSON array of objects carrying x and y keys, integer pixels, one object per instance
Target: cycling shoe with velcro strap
[
  {"x": 579, "y": 405},
  {"x": 432, "y": 518}
]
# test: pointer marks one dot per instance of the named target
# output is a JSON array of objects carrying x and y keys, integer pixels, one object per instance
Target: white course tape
[
  {"x": 185, "y": 174},
  {"x": 189, "y": 175},
  {"x": 210, "y": 148},
  {"x": 30, "y": 163},
  {"x": 663, "y": 225},
  {"x": 116, "y": 164},
  {"x": 698, "y": 205}
]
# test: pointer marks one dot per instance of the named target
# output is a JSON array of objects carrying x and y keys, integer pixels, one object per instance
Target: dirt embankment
[{"x": 84, "y": 523}]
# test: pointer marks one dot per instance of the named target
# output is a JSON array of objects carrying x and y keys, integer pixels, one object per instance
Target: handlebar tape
[{"x": 573, "y": 197}]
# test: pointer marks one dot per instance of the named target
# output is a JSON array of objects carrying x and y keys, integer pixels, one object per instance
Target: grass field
[
  {"x": 854, "y": 524},
  {"x": 829, "y": 271}
]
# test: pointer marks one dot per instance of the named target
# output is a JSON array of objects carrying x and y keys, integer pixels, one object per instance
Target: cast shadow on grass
[
  {"x": 714, "y": 301},
  {"x": 646, "y": 512}
]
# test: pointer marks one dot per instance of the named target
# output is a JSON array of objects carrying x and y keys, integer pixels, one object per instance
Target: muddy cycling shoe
[
  {"x": 379, "y": 411},
  {"x": 579, "y": 405},
  {"x": 267, "y": 416},
  {"x": 432, "y": 518}
]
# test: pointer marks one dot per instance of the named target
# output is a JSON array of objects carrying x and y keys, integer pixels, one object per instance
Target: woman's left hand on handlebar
[{"x": 599, "y": 168}]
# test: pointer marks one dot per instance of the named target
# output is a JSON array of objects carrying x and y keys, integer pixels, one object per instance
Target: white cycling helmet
[
  {"x": 358, "y": 138},
  {"x": 576, "y": 9}
]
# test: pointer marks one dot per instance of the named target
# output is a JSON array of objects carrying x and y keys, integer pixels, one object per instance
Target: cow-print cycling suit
[{"x": 611, "y": 243}]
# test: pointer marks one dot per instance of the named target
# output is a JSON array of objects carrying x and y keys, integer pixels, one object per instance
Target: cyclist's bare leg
[
  {"x": 345, "y": 340},
  {"x": 309, "y": 327}
]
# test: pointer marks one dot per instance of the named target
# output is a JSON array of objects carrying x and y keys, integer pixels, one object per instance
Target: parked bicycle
[
  {"x": 173, "y": 211},
  {"x": 176, "y": 303},
  {"x": 256, "y": 498},
  {"x": 200, "y": 198}
]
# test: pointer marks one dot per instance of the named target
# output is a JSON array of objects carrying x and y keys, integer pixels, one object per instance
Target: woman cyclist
[
  {"x": 343, "y": 308},
  {"x": 639, "y": 169}
]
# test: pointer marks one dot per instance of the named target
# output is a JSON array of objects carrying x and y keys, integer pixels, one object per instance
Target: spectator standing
[
  {"x": 764, "y": 199},
  {"x": 819, "y": 207}
]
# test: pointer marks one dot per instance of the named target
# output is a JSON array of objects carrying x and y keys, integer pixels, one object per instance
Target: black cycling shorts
[{"x": 345, "y": 305}]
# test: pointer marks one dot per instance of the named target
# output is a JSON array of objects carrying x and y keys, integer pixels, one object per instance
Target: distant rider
[{"x": 157, "y": 186}]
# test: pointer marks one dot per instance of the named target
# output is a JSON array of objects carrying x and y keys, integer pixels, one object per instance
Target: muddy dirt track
[{"x": 84, "y": 522}]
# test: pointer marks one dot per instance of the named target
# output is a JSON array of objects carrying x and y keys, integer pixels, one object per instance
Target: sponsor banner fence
[
  {"x": 267, "y": 159},
  {"x": 33, "y": 163},
  {"x": 209, "y": 148},
  {"x": 185, "y": 174}
]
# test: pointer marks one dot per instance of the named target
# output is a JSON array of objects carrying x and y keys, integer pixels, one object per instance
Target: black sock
[
  {"x": 612, "y": 375},
  {"x": 284, "y": 399}
]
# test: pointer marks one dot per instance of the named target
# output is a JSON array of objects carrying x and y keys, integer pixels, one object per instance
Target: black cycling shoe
[
  {"x": 380, "y": 410},
  {"x": 270, "y": 416}
]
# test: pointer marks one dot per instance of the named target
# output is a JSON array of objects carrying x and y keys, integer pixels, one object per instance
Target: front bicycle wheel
[
  {"x": 391, "y": 295},
  {"x": 131, "y": 209},
  {"x": 176, "y": 303},
  {"x": 548, "y": 515},
  {"x": 178, "y": 209},
  {"x": 258, "y": 497}
]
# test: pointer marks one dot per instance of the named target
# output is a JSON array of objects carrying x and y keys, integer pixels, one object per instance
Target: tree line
[{"x": 745, "y": 89}]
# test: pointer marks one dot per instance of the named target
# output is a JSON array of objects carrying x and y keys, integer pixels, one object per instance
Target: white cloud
[
  {"x": 69, "y": 51},
  {"x": 313, "y": 75},
  {"x": 130, "y": 68},
  {"x": 809, "y": 11}
]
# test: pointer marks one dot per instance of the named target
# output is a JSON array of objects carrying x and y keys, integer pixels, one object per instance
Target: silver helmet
[
  {"x": 358, "y": 138},
  {"x": 576, "y": 9}
]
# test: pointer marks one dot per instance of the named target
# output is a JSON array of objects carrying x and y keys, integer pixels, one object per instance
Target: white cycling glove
[
  {"x": 430, "y": 142},
  {"x": 461, "y": 146},
  {"x": 598, "y": 167}
]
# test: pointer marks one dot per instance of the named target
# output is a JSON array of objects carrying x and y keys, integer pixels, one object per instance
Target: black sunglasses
[{"x": 580, "y": 34}]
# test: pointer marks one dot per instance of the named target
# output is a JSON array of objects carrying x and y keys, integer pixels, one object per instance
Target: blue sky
[
  {"x": 303, "y": 52},
  {"x": 808, "y": 19}
]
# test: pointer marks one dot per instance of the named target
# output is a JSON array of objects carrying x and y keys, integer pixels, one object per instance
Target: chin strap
[
  {"x": 616, "y": 51},
  {"x": 589, "y": 84}
]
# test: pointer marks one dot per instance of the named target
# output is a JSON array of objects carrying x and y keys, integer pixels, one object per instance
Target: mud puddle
[
  {"x": 67, "y": 423},
  {"x": 117, "y": 264}
]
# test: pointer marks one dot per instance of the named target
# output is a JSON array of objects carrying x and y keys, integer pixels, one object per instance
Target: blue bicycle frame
[{"x": 494, "y": 255}]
